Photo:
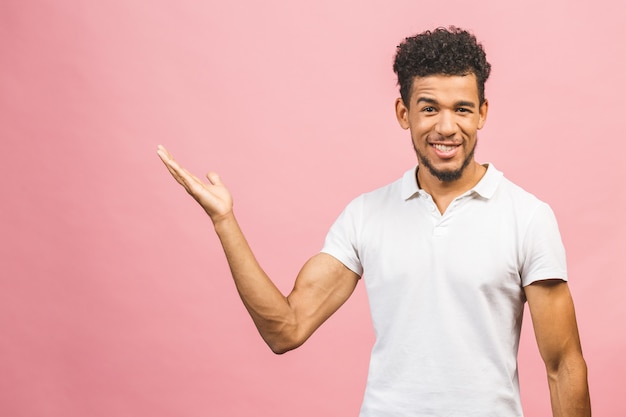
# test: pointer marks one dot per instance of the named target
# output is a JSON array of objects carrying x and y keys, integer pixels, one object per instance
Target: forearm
[
  {"x": 268, "y": 307},
  {"x": 271, "y": 311},
  {"x": 569, "y": 391}
]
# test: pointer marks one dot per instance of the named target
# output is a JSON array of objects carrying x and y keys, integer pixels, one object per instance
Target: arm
[
  {"x": 554, "y": 321},
  {"x": 321, "y": 287}
]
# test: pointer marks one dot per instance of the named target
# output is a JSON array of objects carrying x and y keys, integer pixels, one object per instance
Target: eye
[
  {"x": 463, "y": 110},
  {"x": 429, "y": 109}
]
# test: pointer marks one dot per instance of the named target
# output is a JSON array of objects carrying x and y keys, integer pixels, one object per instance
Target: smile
[{"x": 444, "y": 148}]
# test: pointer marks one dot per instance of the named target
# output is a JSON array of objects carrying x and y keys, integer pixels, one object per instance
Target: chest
[{"x": 473, "y": 250}]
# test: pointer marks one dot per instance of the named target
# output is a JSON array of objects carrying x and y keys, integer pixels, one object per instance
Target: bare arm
[
  {"x": 321, "y": 287},
  {"x": 554, "y": 321}
]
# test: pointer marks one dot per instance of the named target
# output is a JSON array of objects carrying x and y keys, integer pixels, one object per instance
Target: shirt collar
[
  {"x": 409, "y": 184},
  {"x": 486, "y": 187},
  {"x": 488, "y": 184}
]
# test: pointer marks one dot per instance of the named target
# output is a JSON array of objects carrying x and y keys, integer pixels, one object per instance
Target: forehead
[{"x": 446, "y": 88}]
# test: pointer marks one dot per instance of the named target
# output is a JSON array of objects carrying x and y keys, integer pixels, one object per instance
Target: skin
[
  {"x": 554, "y": 321},
  {"x": 321, "y": 287},
  {"x": 443, "y": 111}
]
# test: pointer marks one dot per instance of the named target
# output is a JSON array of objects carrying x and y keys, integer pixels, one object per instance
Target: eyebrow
[{"x": 461, "y": 103}]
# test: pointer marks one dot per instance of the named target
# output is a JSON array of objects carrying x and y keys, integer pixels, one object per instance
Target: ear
[
  {"x": 482, "y": 114},
  {"x": 402, "y": 113}
]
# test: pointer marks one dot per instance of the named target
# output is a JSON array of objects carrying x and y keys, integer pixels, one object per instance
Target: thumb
[{"x": 214, "y": 178}]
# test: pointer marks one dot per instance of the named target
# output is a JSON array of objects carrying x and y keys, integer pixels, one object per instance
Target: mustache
[{"x": 436, "y": 138}]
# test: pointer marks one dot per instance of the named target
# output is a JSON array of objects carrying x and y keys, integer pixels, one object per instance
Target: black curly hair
[{"x": 449, "y": 51}]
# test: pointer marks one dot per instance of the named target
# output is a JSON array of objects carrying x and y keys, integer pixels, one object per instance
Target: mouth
[
  {"x": 445, "y": 151},
  {"x": 444, "y": 148}
]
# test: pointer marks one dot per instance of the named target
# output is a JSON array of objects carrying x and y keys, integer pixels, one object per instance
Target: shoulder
[
  {"x": 509, "y": 192},
  {"x": 377, "y": 202},
  {"x": 512, "y": 203},
  {"x": 396, "y": 191}
]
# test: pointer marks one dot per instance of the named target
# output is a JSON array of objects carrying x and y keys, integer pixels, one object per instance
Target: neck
[{"x": 443, "y": 192}]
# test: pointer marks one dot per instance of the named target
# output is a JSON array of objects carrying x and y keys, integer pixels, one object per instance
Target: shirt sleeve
[
  {"x": 543, "y": 250},
  {"x": 342, "y": 238}
]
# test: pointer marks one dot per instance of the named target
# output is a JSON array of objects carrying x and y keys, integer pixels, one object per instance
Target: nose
[{"x": 446, "y": 125}]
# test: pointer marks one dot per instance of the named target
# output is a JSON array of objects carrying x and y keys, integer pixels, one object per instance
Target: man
[{"x": 449, "y": 254}]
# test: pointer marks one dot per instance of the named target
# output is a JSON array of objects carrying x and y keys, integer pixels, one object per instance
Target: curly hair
[{"x": 449, "y": 51}]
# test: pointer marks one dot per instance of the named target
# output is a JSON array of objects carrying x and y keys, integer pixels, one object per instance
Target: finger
[
  {"x": 180, "y": 174},
  {"x": 192, "y": 184},
  {"x": 176, "y": 174},
  {"x": 214, "y": 178},
  {"x": 169, "y": 162},
  {"x": 172, "y": 164},
  {"x": 164, "y": 155},
  {"x": 161, "y": 150},
  {"x": 189, "y": 176},
  {"x": 184, "y": 177}
]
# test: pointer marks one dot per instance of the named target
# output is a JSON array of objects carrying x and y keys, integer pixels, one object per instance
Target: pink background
[{"x": 115, "y": 298}]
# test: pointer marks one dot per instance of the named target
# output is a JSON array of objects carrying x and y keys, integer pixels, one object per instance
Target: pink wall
[{"x": 115, "y": 299}]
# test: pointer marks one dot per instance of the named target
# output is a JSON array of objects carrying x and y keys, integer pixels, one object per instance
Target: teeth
[{"x": 443, "y": 148}]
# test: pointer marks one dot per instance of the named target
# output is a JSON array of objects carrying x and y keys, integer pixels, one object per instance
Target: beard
[{"x": 445, "y": 175}]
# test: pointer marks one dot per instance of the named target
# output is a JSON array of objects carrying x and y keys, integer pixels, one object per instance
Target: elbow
[
  {"x": 573, "y": 363},
  {"x": 280, "y": 349},
  {"x": 286, "y": 339},
  {"x": 283, "y": 334},
  {"x": 281, "y": 345}
]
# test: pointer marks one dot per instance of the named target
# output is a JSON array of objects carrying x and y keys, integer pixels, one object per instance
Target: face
[{"x": 443, "y": 116}]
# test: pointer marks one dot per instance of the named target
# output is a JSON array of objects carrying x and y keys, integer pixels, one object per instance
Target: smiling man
[{"x": 449, "y": 254}]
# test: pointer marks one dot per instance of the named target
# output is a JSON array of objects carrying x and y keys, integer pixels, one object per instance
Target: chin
[{"x": 447, "y": 175}]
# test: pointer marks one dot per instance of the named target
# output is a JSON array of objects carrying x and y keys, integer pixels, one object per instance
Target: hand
[{"x": 214, "y": 197}]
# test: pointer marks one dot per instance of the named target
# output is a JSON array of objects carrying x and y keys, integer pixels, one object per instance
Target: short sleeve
[
  {"x": 542, "y": 247},
  {"x": 341, "y": 240}
]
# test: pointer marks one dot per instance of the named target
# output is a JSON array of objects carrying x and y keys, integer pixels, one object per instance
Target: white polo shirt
[{"x": 446, "y": 292}]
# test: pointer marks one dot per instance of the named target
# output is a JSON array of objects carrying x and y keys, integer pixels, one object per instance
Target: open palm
[{"x": 213, "y": 196}]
